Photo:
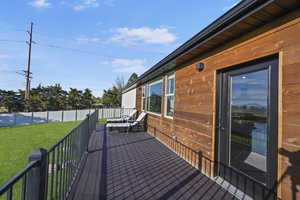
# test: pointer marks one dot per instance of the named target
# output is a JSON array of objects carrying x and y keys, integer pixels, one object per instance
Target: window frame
[
  {"x": 170, "y": 75},
  {"x": 148, "y": 96},
  {"x": 144, "y": 96},
  {"x": 146, "y": 92}
]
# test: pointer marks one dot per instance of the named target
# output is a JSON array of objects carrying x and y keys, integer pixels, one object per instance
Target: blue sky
[{"x": 89, "y": 43}]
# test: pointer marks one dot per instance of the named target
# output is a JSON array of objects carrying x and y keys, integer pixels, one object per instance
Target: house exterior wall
[
  {"x": 129, "y": 99},
  {"x": 195, "y": 95}
]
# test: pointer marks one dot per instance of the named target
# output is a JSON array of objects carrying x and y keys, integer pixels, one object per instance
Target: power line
[{"x": 66, "y": 48}]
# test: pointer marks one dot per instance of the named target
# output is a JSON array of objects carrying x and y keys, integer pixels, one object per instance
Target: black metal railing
[
  {"x": 51, "y": 173},
  {"x": 236, "y": 182}
]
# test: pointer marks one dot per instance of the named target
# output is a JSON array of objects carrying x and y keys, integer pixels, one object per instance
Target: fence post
[
  {"x": 102, "y": 110},
  {"x": 85, "y": 137},
  {"x": 15, "y": 119},
  {"x": 97, "y": 114},
  {"x": 62, "y": 116},
  {"x": 47, "y": 116},
  {"x": 36, "y": 178},
  {"x": 76, "y": 114},
  {"x": 88, "y": 119},
  {"x": 31, "y": 117}
]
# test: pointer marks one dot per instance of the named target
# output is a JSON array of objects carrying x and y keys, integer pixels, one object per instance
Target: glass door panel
[{"x": 248, "y": 123}]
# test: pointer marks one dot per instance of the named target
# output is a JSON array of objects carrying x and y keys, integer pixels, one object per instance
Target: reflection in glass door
[
  {"x": 248, "y": 123},
  {"x": 247, "y": 120}
]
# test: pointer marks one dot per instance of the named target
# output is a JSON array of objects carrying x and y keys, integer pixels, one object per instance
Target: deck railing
[
  {"x": 50, "y": 173},
  {"x": 236, "y": 182}
]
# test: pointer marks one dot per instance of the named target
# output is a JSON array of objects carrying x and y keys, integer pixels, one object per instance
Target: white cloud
[
  {"x": 4, "y": 56},
  {"x": 40, "y": 3},
  {"x": 144, "y": 34},
  {"x": 86, "y": 4},
  {"x": 85, "y": 39},
  {"x": 127, "y": 65},
  {"x": 229, "y": 7},
  {"x": 105, "y": 62}
]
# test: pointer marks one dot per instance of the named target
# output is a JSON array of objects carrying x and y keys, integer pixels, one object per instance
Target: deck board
[{"x": 137, "y": 166}]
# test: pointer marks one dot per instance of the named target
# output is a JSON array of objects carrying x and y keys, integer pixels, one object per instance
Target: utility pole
[{"x": 27, "y": 72}]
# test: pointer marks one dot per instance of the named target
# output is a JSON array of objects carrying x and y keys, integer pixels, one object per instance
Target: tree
[
  {"x": 56, "y": 97},
  {"x": 87, "y": 98},
  {"x": 11, "y": 100},
  {"x": 74, "y": 99},
  {"x": 119, "y": 84},
  {"x": 46, "y": 98},
  {"x": 132, "y": 79},
  {"x": 110, "y": 98},
  {"x": 113, "y": 96}
]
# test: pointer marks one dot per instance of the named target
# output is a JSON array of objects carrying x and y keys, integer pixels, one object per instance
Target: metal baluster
[
  {"x": 70, "y": 159},
  {"x": 52, "y": 175},
  {"x": 56, "y": 168},
  {"x": 238, "y": 180},
  {"x": 72, "y": 153},
  {"x": 245, "y": 184},
  {"x": 262, "y": 192},
  {"x": 9, "y": 193},
  {"x": 253, "y": 188},
  {"x": 63, "y": 167},
  {"x": 60, "y": 169},
  {"x": 47, "y": 176},
  {"x": 66, "y": 163},
  {"x": 23, "y": 191}
]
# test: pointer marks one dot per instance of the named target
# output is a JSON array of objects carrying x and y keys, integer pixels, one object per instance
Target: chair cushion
[
  {"x": 116, "y": 125},
  {"x": 118, "y": 120}
]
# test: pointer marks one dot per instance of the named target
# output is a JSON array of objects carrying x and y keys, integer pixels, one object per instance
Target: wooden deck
[{"x": 137, "y": 166}]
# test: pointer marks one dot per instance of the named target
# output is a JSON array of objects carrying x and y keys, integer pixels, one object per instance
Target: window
[
  {"x": 154, "y": 97},
  {"x": 169, "y": 96}
]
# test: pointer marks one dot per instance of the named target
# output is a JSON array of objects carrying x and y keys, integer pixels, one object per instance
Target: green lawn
[
  {"x": 103, "y": 120},
  {"x": 17, "y": 143}
]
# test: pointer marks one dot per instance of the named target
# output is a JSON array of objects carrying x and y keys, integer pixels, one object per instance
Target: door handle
[{"x": 220, "y": 127}]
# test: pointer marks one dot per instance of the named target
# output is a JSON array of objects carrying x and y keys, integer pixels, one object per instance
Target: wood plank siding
[{"x": 195, "y": 94}]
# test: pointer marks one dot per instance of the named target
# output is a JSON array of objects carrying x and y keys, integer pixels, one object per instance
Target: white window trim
[
  {"x": 153, "y": 113},
  {"x": 170, "y": 75},
  {"x": 143, "y": 97}
]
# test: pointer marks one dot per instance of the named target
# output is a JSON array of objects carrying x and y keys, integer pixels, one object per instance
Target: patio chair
[
  {"x": 124, "y": 118},
  {"x": 138, "y": 124}
]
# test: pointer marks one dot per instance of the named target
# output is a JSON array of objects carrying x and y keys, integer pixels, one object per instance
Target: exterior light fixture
[{"x": 199, "y": 66}]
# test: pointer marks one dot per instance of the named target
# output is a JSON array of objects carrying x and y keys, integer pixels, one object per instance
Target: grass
[
  {"x": 18, "y": 142},
  {"x": 104, "y": 120}
]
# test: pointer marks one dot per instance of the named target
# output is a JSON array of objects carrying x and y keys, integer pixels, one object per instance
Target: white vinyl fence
[{"x": 25, "y": 118}]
